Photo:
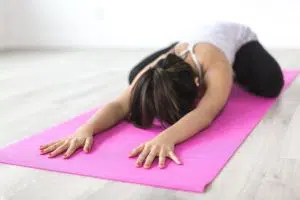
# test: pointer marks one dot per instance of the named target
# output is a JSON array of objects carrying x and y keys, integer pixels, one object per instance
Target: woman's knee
[
  {"x": 272, "y": 85},
  {"x": 269, "y": 73}
]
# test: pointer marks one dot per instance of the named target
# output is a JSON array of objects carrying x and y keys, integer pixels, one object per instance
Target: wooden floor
[{"x": 40, "y": 89}]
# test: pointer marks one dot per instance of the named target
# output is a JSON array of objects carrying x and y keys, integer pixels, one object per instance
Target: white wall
[
  {"x": 2, "y": 25},
  {"x": 136, "y": 23},
  {"x": 51, "y": 23}
]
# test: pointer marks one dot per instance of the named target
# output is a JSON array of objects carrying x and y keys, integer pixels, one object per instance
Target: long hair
[{"x": 166, "y": 92}]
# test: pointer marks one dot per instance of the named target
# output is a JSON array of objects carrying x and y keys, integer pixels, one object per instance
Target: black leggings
[{"x": 255, "y": 69}]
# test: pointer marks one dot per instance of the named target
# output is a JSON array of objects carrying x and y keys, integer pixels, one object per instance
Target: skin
[{"x": 219, "y": 80}]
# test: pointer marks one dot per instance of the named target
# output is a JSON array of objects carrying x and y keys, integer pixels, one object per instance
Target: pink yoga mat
[{"x": 203, "y": 156}]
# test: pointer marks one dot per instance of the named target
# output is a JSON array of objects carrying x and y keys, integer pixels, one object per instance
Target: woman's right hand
[{"x": 82, "y": 138}]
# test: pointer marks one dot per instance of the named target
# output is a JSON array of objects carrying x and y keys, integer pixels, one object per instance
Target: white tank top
[{"x": 227, "y": 36}]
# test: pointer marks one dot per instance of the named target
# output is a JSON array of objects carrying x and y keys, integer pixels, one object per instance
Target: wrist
[
  {"x": 168, "y": 136},
  {"x": 88, "y": 128}
]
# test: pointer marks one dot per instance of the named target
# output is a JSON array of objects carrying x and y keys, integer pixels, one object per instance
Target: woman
[{"x": 185, "y": 86}]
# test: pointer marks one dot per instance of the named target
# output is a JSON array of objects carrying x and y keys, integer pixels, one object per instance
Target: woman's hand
[
  {"x": 158, "y": 147},
  {"x": 83, "y": 137}
]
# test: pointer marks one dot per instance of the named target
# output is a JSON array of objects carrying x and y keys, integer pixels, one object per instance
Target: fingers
[
  {"x": 136, "y": 151},
  {"x": 72, "y": 148},
  {"x": 162, "y": 158},
  {"x": 151, "y": 156},
  {"x": 142, "y": 157},
  {"x": 88, "y": 144},
  {"x": 148, "y": 153},
  {"x": 48, "y": 145},
  {"x": 51, "y": 147},
  {"x": 59, "y": 150},
  {"x": 172, "y": 155}
]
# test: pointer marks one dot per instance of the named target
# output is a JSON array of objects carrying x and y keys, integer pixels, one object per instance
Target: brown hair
[{"x": 166, "y": 91}]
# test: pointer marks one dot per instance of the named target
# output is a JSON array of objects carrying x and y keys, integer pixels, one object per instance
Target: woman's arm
[
  {"x": 115, "y": 111},
  {"x": 103, "y": 119},
  {"x": 110, "y": 114},
  {"x": 219, "y": 83},
  {"x": 83, "y": 136}
]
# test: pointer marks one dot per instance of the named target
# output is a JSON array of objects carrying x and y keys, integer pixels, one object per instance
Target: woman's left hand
[{"x": 157, "y": 147}]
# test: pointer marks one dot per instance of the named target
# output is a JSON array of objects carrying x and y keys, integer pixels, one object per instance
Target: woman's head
[{"x": 166, "y": 91}]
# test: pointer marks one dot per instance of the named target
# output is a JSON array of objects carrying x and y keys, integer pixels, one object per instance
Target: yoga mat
[{"x": 203, "y": 156}]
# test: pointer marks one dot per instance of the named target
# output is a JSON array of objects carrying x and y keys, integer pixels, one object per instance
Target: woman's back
[{"x": 226, "y": 36}]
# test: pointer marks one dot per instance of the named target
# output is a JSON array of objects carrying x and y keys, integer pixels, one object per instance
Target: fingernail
[
  {"x": 138, "y": 165},
  {"x": 146, "y": 166}
]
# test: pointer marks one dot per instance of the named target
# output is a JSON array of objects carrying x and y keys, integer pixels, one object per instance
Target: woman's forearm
[
  {"x": 219, "y": 83},
  {"x": 186, "y": 127},
  {"x": 105, "y": 118}
]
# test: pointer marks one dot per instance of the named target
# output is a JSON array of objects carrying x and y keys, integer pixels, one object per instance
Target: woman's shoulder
[{"x": 209, "y": 53}]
